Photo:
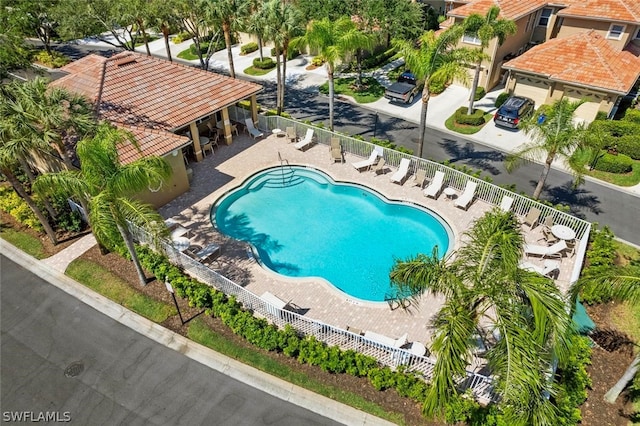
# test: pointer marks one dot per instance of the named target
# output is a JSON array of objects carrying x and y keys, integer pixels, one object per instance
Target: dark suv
[{"x": 515, "y": 109}]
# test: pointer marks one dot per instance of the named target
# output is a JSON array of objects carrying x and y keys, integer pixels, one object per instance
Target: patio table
[{"x": 563, "y": 232}]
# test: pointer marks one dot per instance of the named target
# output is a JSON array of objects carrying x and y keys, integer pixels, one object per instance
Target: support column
[
  {"x": 195, "y": 136},
  {"x": 226, "y": 125},
  {"x": 253, "y": 101}
]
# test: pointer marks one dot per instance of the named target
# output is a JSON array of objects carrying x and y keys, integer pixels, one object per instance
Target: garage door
[
  {"x": 532, "y": 88},
  {"x": 588, "y": 110}
]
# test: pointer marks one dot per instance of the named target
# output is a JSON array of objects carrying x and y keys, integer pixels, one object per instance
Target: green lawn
[
  {"x": 257, "y": 71},
  {"x": 23, "y": 241},
  {"x": 109, "y": 285},
  {"x": 628, "y": 179},
  {"x": 199, "y": 332},
  {"x": 371, "y": 91},
  {"x": 465, "y": 129}
]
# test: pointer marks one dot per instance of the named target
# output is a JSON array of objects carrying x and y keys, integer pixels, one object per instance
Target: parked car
[
  {"x": 513, "y": 111},
  {"x": 405, "y": 89}
]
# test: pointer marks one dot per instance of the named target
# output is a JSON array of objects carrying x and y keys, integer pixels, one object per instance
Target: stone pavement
[{"x": 61, "y": 260}]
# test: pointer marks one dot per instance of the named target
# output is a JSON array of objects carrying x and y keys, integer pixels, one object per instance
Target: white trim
[
  {"x": 471, "y": 39},
  {"x": 612, "y": 36},
  {"x": 543, "y": 16}
]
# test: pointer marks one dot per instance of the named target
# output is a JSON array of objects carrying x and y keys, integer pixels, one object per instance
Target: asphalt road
[
  {"x": 591, "y": 201},
  {"x": 122, "y": 377}
]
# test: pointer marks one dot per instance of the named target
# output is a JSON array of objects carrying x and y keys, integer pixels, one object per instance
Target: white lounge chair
[
  {"x": 506, "y": 203},
  {"x": 403, "y": 171},
  {"x": 546, "y": 251},
  {"x": 251, "y": 128},
  {"x": 385, "y": 340},
  {"x": 550, "y": 266},
  {"x": 434, "y": 188},
  {"x": 366, "y": 164},
  {"x": 467, "y": 196},
  {"x": 306, "y": 141}
]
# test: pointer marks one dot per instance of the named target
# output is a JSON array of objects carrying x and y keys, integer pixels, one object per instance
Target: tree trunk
[
  {"x": 66, "y": 159},
  {"x": 474, "y": 87},
  {"x": 285, "y": 55},
  {"x": 226, "y": 29},
  {"x": 543, "y": 176},
  {"x": 165, "y": 33},
  {"x": 17, "y": 186},
  {"x": 278, "y": 81},
  {"x": 359, "y": 68},
  {"x": 128, "y": 241},
  {"x": 613, "y": 393},
  {"x": 144, "y": 36},
  {"x": 423, "y": 119},
  {"x": 331, "y": 94},
  {"x": 260, "y": 48},
  {"x": 27, "y": 170}
]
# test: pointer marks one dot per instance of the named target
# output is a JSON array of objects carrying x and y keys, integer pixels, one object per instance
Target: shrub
[
  {"x": 614, "y": 163},
  {"x": 70, "y": 221},
  {"x": 291, "y": 53},
  {"x": 374, "y": 61},
  {"x": 601, "y": 255},
  {"x": 628, "y": 145},
  {"x": 11, "y": 203},
  {"x": 180, "y": 37},
  {"x": 632, "y": 115},
  {"x": 53, "y": 60},
  {"x": 317, "y": 61},
  {"x": 601, "y": 115},
  {"x": 616, "y": 128},
  {"x": 264, "y": 64},
  {"x": 475, "y": 119},
  {"x": 248, "y": 48},
  {"x": 502, "y": 98},
  {"x": 437, "y": 86},
  {"x": 480, "y": 92}
]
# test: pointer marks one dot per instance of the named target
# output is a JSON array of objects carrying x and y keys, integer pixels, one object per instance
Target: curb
[{"x": 253, "y": 377}]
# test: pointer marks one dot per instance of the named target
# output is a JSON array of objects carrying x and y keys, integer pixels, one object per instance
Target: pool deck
[{"x": 231, "y": 165}]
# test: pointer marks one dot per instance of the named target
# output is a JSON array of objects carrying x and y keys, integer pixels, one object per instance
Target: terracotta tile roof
[
  {"x": 585, "y": 59},
  {"x": 141, "y": 90},
  {"x": 607, "y": 10},
  {"x": 151, "y": 142},
  {"x": 509, "y": 9}
]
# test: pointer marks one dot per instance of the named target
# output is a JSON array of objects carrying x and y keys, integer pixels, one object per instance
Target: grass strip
[
  {"x": 111, "y": 286},
  {"x": 465, "y": 129},
  {"x": 621, "y": 179},
  {"x": 25, "y": 242},
  {"x": 199, "y": 332},
  {"x": 371, "y": 91},
  {"x": 257, "y": 71},
  {"x": 187, "y": 55}
]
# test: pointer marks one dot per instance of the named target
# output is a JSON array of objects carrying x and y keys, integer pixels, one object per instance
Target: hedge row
[
  {"x": 248, "y": 48},
  {"x": 475, "y": 119},
  {"x": 291, "y": 53},
  {"x": 264, "y": 64},
  {"x": 613, "y": 163}
]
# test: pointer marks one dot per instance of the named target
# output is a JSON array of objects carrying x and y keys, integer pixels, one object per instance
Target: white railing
[{"x": 480, "y": 385}]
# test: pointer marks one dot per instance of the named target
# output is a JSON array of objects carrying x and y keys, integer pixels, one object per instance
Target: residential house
[
  {"x": 158, "y": 102},
  {"x": 578, "y": 49}
]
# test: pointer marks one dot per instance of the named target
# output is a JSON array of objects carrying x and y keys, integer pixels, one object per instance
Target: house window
[
  {"x": 544, "y": 17},
  {"x": 637, "y": 34},
  {"x": 471, "y": 39},
  {"x": 615, "y": 31}
]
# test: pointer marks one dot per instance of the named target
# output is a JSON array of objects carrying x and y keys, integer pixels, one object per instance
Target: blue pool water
[{"x": 303, "y": 224}]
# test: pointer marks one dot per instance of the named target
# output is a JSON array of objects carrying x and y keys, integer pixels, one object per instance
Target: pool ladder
[{"x": 284, "y": 161}]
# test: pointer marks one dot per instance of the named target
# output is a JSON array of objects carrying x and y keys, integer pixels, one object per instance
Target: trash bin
[{"x": 541, "y": 118}]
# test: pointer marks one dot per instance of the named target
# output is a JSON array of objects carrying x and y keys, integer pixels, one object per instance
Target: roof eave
[{"x": 573, "y": 83}]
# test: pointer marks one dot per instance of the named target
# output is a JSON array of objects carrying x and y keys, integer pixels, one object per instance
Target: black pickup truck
[{"x": 405, "y": 89}]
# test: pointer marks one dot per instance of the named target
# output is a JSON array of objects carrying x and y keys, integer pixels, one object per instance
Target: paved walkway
[{"x": 61, "y": 260}]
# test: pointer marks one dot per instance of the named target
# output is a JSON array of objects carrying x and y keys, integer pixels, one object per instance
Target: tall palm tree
[
  {"x": 256, "y": 24},
  {"x": 486, "y": 29},
  {"x": 621, "y": 284},
  {"x": 484, "y": 289},
  {"x": 555, "y": 136},
  {"x": 333, "y": 40},
  {"x": 162, "y": 14},
  {"x": 229, "y": 14},
  {"x": 108, "y": 186},
  {"x": 436, "y": 58}
]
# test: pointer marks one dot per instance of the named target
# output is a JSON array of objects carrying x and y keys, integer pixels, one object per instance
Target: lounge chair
[
  {"x": 385, "y": 340},
  {"x": 419, "y": 177},
  {"x": 549, "y": 268},
  {"x": 304, "y": 143},
  {"x": 465, "y": 199},
  {"x": 291, "y": 134},
  {"x": 554, "y": 250},
  {"x": 251, "y": 128},
  {"x": 336, "y": 150},
  {"x": 379, "y": 167},
  {"x": 547, "y": 235},
  {"x": 434, "y": 188},
  {"x": 531, "y": 218},
  {"x": 403, "y": 170},
  {"x": 506, "y": 203},
  {"x": 366, "y": 164}
]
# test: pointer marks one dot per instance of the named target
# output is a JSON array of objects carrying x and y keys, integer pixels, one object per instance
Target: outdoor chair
[
  {"x": 549, "y": 269},
  {"x": 291, "y": 134},
  {"x": 379, "y": 167},
  {"x": 434, "y": 188},
  {"x": 306, "y": 141},
  {"x": 555, "y": 250},
  {"x": 366, "y": 164},
  {"x": 467, "y": 196},
  {"x": 403, "y": 170},
  {"x": 547, "y": 235},
  {"x": 506, "y": 203},
  {"x": 419, "y": 177},
  {"x": 336, "y": 150},
  {"x": 531, "y": 218},
  {"x": 251, "y": 128}
]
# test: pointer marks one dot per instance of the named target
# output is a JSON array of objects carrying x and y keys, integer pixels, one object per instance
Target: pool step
[{"x": 286, "y": 177}]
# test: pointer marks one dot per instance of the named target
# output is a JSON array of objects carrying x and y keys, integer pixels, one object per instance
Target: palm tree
[
  {"x": 484, "y": 288},
  {"x": 333, "y": 40},
  {"x": 229, "y": 14},
  {"x": 107, "y": 187},
  {"x": 162, "y": 14},
  {"x": 621, "y": 284},
  {"x": 256, "y": 24},
  {"x": 486, "y": 29},
  {"x": 555, "y": 136},
  {"x": 436, "y": 58}
]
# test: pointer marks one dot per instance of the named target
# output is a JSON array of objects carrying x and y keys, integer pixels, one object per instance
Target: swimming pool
[{"x": 303, "y": 224}]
